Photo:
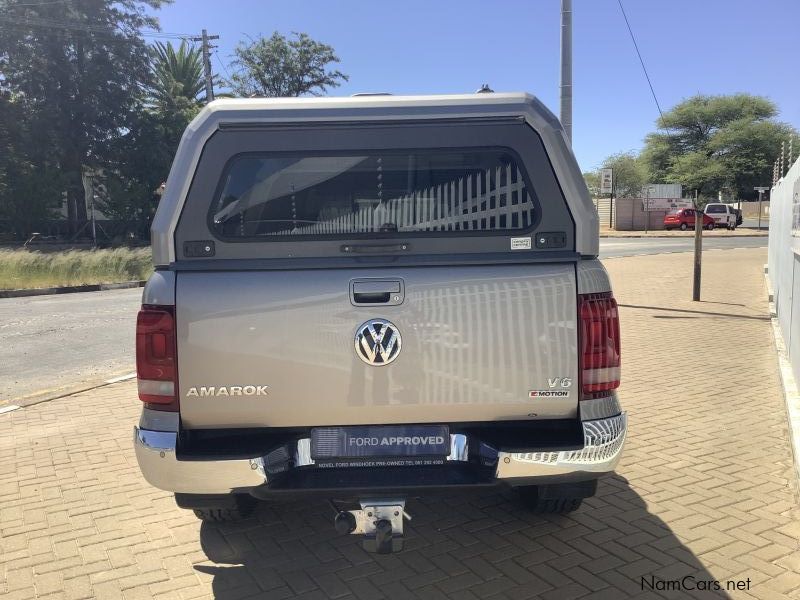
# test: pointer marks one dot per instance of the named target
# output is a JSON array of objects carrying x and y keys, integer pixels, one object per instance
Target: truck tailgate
[{"x": 277, "y": 348}]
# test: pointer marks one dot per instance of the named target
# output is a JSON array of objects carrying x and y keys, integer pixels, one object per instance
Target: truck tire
[
  {"x": 554, "y": 506},
  {"x": 218, "y": 508},
  {"x": 222, "y": 515},
  {"x": 556, "y": 499}
]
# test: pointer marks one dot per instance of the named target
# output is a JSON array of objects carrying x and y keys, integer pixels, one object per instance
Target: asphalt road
[
  {"x": 615, "y": 247},
  {"x": 54, "y": 342},
  {"x": 57, "y": 342}
]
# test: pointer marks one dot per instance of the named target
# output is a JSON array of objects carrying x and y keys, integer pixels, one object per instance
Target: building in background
[{"x": 784, "y": 260}]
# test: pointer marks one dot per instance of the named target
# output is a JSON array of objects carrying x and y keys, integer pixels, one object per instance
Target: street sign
[{"x": 606, "y": 181}]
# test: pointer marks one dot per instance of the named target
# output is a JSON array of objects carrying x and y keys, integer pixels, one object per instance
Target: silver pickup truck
[{"x": 372, "y": 298}]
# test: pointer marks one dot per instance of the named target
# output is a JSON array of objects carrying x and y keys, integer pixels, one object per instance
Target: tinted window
[
  {"x": 409, "y": 191},
  {"x": 716, "y": 209}
]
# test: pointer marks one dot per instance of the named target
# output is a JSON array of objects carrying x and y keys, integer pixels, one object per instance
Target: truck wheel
[
  {"x": 556, "y": 499},
  {"x": 560, "y": 506},
  {"x": 218, "y": 508},
  {"x": 222, "y": 515},
  {"x": 684, "y": 226}
]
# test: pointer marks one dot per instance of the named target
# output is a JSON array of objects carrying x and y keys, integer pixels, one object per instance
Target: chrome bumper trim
[
  {"x": 155, "y": 452},
  {"x": 603, "y": 440}
]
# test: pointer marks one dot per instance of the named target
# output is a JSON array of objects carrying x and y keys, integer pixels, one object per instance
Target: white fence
[
  {"x": 470, "y": 203},
  {"x": 784, "y": 259}
]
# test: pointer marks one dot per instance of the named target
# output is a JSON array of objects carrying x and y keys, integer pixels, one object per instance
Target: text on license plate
[{"x": 379, "y": 440}]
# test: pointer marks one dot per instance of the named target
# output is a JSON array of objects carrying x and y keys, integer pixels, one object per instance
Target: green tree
[
  {"x": 29, "y": 192},
  {"x": 712, "y": 143},
  {"x": 630, "y": 175},
  {"x": 177, "y": 76},
  {"x": 77, "y": 69},
  {"x": 592, "y": 179},
  {"x": 282, "y": 67},
  {"x": 154, "y": 132}
]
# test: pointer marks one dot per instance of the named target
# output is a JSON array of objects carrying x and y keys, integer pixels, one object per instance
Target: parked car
[
  {"x": 358, "y": 297},
  {"x": 724, "y": 215},
  {"x": 683, "y": 219}
]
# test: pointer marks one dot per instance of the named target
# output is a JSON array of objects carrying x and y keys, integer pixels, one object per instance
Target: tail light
[
  {"x": 157, "y": 357},
  {"x": 599, "y": 344}
]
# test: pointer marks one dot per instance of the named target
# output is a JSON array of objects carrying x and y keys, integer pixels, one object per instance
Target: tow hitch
[{"x": 380, "y": 521}]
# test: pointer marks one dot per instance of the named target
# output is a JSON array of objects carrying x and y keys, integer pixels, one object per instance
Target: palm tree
[{"x": 177, "y": 75}]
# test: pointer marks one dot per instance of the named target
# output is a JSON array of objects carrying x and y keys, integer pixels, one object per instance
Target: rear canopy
[{"x": 320, "y": 178}]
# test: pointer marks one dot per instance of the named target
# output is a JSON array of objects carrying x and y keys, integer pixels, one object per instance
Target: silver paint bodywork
[
  {"x": 476, "y": 339},
  {"x": 227, "y": 112}
]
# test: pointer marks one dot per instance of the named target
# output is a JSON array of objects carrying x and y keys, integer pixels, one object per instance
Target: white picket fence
[{"x": 474, "y": 202}]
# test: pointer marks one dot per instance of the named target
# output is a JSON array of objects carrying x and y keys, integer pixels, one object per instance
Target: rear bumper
[{"x": 156, "y": 452}]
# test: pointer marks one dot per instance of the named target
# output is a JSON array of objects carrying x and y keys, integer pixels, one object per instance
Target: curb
[
  {"x": 791, "y": 392},
  {"x": 39, "y": 398},
  {"x": 680, "y": 237},
  {"x": 72, "y": 289}
]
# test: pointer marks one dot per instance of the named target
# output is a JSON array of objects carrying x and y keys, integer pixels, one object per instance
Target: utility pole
[
  {"x": 566, "y": 67},
  {"x": 206, "y": 48},
  {"x": 698, "y": 248}
]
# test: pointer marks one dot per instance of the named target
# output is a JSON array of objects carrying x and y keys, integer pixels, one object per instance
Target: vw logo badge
[{"x": 377, "y": 342}]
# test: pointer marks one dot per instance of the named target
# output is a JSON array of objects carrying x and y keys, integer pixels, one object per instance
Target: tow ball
[{"x": 380, "y": 521}]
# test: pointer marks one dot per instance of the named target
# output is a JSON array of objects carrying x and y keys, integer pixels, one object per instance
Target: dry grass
[{"x": 31, "y": 269}]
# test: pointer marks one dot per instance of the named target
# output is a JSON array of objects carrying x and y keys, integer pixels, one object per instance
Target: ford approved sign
[{"x": 374, "y": 440}]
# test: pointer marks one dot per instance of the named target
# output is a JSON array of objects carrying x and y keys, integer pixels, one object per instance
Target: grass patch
[{"x": 25, "y": 269}]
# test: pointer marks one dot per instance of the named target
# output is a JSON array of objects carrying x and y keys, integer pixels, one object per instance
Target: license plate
[{"x": 370, "y": 441}]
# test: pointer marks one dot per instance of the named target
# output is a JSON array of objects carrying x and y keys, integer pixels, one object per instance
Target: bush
[{"x": 32, "y": 269}]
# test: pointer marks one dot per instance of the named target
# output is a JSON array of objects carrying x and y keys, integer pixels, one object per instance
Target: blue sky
[{"x": 447, "y": 46}]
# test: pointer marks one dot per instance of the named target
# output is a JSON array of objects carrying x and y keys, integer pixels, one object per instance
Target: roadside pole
[
  {"x": 205, "y": 39},
  {"x": 698, "y": 248},
  {"x": 760, "y": 191},
  {"x": 611, "y": 211},
  {"x": 566, "y": 68}
]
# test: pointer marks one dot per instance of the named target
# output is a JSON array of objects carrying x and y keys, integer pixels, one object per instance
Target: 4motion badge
[
  {"x": 559, "y": 388},
  {"x": 377, "y": 342}
]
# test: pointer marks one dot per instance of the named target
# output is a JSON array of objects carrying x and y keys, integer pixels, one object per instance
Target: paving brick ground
[{"x": 705, "y": 488}]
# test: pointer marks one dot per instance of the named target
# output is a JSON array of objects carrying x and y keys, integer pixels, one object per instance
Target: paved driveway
[{"x": 705, "y": 490}]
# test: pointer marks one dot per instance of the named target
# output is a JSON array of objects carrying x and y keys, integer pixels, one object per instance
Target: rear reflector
[
  {"x": 599, "y": 344},
  {"x": 156, "y": 357}
]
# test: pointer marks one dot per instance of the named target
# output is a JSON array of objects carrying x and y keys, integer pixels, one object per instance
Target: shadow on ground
[{"x": 462, "y": 545}]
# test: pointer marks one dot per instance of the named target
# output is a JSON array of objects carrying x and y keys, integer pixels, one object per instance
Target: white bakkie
[{"x": 724, "y": 215}]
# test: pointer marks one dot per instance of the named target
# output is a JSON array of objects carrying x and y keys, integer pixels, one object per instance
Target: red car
[{"x": 683, "y": 218}]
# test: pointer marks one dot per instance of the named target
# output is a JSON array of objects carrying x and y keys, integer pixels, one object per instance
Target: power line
[
  {"x": 222, "y": 64},
  {"x": 639, "y": 54}
]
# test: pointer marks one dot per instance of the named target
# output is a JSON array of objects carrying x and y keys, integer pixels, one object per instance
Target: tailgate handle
[{"x": 375, "y": 291}]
